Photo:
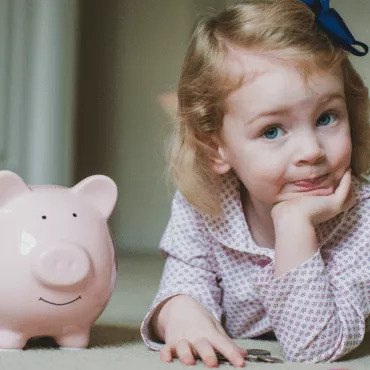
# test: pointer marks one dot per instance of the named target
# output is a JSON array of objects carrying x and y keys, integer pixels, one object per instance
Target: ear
[
  {"x": 100, "y": 191},
  {"x": 11, "y": 186},
  {"x": 220, "y": 164}
]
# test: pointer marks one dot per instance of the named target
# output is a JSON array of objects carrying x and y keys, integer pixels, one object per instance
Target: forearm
[
  {"x": 314, "y": 318},
  {"x": 179, "y": 279},
  {"x": 295, "y": 242},
  {"x": 157, "y": 323},
  {"x": 162, "y": 314}
]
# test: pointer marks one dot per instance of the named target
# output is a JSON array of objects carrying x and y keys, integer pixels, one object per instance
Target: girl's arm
[
  {"x": 294, "y": 221},
  {"x": 189, "y": 330},
  {"x": 184, "y": 320},
  {"x": 318, "y": 309}
]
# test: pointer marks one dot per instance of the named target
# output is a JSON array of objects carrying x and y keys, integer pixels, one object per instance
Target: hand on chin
[{"x": 317, "y": 205}]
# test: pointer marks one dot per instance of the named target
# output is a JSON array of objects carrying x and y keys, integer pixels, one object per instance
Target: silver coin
[
  {"x": 258, "y": 352},
  {"x": 270, "y": 359},
  {"x": 252, "y": 359}
]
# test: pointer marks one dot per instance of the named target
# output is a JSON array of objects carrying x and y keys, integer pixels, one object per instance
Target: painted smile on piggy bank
[{"x": 60, "y": 304}]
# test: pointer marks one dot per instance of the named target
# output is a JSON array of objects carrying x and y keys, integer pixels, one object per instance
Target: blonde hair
[{"x": 287, "y": 29}]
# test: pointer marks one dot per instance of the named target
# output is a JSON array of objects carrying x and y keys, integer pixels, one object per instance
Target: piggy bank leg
[
  {"x": 73, "y": 340},
  {"x": 12, "y": 340}
]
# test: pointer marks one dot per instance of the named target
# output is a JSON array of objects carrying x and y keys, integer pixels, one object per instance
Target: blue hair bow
[{"x": 331, "y": 22}]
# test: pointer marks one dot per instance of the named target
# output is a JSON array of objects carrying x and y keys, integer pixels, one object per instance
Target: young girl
[{"x": 269, "y": 230}]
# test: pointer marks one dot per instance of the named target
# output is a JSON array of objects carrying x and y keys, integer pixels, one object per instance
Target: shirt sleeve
[
  {"x": 189, "y": 269},
  {"x": 319, "y": 309}
]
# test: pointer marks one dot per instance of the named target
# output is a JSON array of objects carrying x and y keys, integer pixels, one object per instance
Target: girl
[{"x": 269, "y": 230}]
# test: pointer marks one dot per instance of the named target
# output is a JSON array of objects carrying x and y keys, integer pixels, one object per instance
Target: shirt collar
[{"x": 231, "y": 229}]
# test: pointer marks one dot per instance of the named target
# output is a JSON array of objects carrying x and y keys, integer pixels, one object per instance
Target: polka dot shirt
[{"x": 318, "y": 310}]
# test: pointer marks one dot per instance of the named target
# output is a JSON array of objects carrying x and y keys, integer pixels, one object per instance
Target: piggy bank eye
[
  {"x": 44, "y": 217},
  {"x": 74, "y": 215}
]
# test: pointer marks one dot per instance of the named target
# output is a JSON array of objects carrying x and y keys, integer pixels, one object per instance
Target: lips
[{"x": 311, "y": 184}]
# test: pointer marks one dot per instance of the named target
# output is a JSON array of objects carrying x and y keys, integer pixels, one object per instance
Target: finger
[
  {"x": 343, "y": 189},
  {"x": 242, "y": 351},
  {"x": 206, "y": 352},
  {"x": 184, "y": 352},
  {"x": 221, "y": 329},
  {"x": 350, "y": 201},
  {"x": 229, "y": 349},
  {"x": 344, "y": 184},
  {"x": 165, "y": 354}
]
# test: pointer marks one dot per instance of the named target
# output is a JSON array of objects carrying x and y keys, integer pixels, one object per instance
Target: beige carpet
[{"x": 116, "y": 343}]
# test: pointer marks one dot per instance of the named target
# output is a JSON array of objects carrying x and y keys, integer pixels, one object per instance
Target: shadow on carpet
[
  {"x": 361, "y": 351},
  {"x": 101, "y": 336}
]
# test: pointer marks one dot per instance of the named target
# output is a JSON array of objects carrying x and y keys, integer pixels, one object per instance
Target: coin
[
  {"x": 251, "y": 358},
  {"x": 270, "y": 359},
  {"x": 258, "y": 352},
  {"x": 253, "y": 355}
]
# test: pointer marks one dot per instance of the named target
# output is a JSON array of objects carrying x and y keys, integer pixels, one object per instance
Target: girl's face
[{"x": 285, "y": 136}]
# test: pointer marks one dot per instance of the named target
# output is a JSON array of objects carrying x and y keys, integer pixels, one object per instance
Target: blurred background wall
[
  {"x": 130, "y": 52},
  {"x": 81, "y": 80}
]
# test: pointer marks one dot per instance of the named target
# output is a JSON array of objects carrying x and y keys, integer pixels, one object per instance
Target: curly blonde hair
[{"x": 285, "y": 28}]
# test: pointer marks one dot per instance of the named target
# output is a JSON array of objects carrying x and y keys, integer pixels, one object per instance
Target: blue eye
[
  {"x": 326, "y": 119},
  {"x": 272, "y": 133}
]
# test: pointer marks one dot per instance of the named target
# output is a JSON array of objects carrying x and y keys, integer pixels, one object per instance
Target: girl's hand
[
  {"x": 190, "y": 332},
  {"x": 318, "y": 209},
  {"x": 294, "y": 221}
]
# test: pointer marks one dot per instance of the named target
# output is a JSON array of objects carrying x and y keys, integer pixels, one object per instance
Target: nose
[
  {"x": 309, "y": 149},
  {"x": 62, "y": 266}
]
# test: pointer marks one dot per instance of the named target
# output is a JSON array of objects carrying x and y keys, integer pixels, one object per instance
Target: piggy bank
[{"x": 57, "y": 259}]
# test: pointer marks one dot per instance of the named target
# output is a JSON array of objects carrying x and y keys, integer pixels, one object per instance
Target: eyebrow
[{"x": 286, "y": 109}]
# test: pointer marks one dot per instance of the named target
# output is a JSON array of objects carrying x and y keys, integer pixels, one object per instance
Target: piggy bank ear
[
  {"x": 100, "y": 191},
  {"x": 11, "y": 185}
]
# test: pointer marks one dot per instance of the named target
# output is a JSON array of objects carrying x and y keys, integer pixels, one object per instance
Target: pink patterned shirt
[{"x": 318, "y": 310}]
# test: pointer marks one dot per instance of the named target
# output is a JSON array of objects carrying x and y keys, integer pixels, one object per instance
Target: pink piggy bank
[{"x": 57, "y": 259}]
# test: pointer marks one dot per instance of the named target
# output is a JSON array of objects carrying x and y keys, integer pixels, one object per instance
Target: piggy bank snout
[{"x": 62, "y": 266}]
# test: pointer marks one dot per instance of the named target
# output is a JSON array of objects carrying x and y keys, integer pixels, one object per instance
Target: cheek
[
  {"x": 340, "y": 153},
  {"x": 264, "y": 173},
  {"x": 271, "y": 164}
]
